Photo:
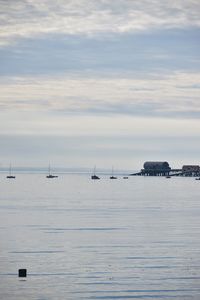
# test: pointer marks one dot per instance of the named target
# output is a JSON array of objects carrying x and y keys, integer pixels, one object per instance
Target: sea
[{"x": 135, "y": 238}]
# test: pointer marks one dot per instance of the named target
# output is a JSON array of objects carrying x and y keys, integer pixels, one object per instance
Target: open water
[{"x": 108, "y": 239}]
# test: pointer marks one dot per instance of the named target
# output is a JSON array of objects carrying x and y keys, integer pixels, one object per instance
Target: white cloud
[
  {"x": 116, "y": 126},
  {"x": 28, "y": 18},
  {"x": 166, "y": 95}
]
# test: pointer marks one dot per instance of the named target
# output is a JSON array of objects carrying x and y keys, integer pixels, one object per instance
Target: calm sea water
[{"x": 108, "y": 239}]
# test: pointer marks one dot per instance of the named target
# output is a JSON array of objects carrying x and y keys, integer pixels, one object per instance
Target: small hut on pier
[{"x": 191, "y": 170}]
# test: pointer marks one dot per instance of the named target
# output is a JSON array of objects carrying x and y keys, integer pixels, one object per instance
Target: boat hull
[{"x": 95, "y": 177}]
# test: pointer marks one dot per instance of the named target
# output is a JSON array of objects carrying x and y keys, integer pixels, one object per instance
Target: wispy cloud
[
  {"x": 28, "y": 18},
  {"x": 167, "y": 95}
]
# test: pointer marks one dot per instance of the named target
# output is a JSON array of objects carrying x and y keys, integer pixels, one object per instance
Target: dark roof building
[{"x": 156, "y": 168}]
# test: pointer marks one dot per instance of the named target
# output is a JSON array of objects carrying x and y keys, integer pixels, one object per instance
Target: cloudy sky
[{"x": 99, "y": 82}]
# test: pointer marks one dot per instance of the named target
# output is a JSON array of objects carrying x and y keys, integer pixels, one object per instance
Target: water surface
[{"x": 108, "y": 239}]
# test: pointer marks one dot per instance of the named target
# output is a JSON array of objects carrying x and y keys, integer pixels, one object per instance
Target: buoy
[{"x": 22, "y": 273}]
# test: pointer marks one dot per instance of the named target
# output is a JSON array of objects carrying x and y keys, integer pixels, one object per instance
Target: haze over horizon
[{"x": 87, "y": 82}]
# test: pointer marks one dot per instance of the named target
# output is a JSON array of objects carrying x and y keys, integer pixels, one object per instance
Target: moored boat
[
  {"x": 112, "y": 175},
  {"x": 10, "y": 176},
  {"x": 51, "y": 175},
  {"x": 94, "y": 176}
]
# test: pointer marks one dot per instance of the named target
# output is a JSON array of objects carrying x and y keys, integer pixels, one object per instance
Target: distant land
[{"x": 64, "y": 170}]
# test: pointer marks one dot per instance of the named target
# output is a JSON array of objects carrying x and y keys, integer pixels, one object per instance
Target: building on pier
[
  {"x": 191, "y": 170},
  {"x": 156, "y": 168}
]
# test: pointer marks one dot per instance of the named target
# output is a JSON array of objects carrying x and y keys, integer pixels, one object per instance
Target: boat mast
[
  {"x": 112, "y": 171},
  {"x": 94, "y": 172}
]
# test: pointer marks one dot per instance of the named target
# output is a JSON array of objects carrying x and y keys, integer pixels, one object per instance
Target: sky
[{"x": 99, "y": 82}]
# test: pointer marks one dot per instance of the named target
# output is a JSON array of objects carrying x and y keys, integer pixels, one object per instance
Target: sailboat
[
  {"x": 94, "y": 176},
  {"x": 112, "y": 175},
  {"x": 50, "y": 175},
  {"x": 10, "y": 176}
]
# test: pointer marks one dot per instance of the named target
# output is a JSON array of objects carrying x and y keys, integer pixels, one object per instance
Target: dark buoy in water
[{"x": 22, "y": 273}]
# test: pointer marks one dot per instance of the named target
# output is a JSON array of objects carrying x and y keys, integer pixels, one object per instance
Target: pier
[{"x": 162, "y": 168}]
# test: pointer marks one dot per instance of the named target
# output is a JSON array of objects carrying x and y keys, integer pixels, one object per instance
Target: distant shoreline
[{"x": 43, "y": 170}]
